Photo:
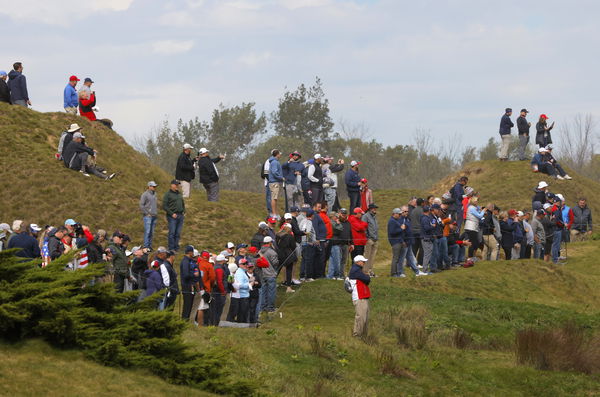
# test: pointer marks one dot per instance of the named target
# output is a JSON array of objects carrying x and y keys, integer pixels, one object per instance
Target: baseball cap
[
  {"x": 287, "y": 215},
  {"x": 34, "y": 228},
  {"x": 6, "y": 227},
  {"x": 426, "y": 208},
  {"x": 16, "y": 226},
  {"x": 74, "y": 128},
  {"x": 88, "y": 80},
  {"x": 267, "y": 240},
  {"x": 187, "y": 146},
  {"x": 2, "y": 73},
  {"x": 155, "y": 264},
  {"x": 286, "y": 225},
  {"x": 294, "y": 209},
  {"x": 118, "y": 234},
  {"x": 243, "y": 261},
  {"x": 373, "y": 205},
  {"x": 295, "y": 153},
  {"x": 203, "y": 150},
  {"x": 137, "y": 247},
  {"x": 253, "y": 250},
  {"x": 524, "y": 110},
  {"x": 364, "y": 180},
  {"x": 435, "y": 207},
  {"x": 128, "y": 253},
  {"x": 242, "y": 245},
  {"x": 189, "y": 248},
  {"x": 70, "y": 222},
  {"x": 354, "y": 162},
  {"x": 396, "y": 211},
  {"x": 549, "y": 147},
  {"x": 230, "y": 245},
  {"x": 343, "y": 211},
  {"x": 73, "y": 78},
  {"x": 161, "y": 250},
  {"x": 152, "y": 183},
  {"x": 360, "y": 258},
  {"x": 520, "y": 213},
  {"x": 560, "y": 197},
  {"x": 547, "y": 205},
  {"x": 508, "y": 110},
  {"x": 78, "y": 135},
  {"x": 318, "y": 156},
  {"x": 512, "y": 212},
  {"x": 220, "y": 258},
  {"x": 196, "y": 253},
  {"x": 309, "y": 212},
  {"x": 205, "y": 254},
  {"x": 542, "y": 150},
  {"x": 358, "y": 210},
  {"x": 175, "y": 182},
  {"x": 543, "y": 116},
  {"x": 542, "y": 185},
  {"x": 271, "y": 220}
]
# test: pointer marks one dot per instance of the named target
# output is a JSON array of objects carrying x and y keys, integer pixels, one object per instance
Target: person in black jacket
[
  {"x": 523, "y": 128},
  {"x": 506, "y": 125},
  {"x": 507, "y": 227},
  {"x": 185, "y": 170},
  {"x": 55, "y": 246},
  {"x": 209, "y": 176},
  {"x": 75, "y": 157},
  {"x": 286, "y": 251},
  {"x": 4, "y": 91}
]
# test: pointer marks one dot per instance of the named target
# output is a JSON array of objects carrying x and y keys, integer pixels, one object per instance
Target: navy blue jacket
[
  {"x": 505, "y": 125},
  {"x": 518, "y": 232},
  {"x": 320, "y": 228},
  {"x": 289, "y": 171},
  {"x": 29, "y": 245},
  {"x": 352, "y": 178},
  {"x": 408, "y": 232},
  {"x": 507, "y": 228},
  {"x": 154, "y": 281},
  {"x": 356, "y": 273},
  {"x": 457, "y": 193},
  {"x": 17, "y": 84},
  {"x": 428, "y": 224},
  {"x": 395, "y": 232},
  {"x": 186, "y": 270}
]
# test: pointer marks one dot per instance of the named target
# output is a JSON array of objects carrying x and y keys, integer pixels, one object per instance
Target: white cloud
[
  {"x": 295, "y": 4},
  {"x": 254, "y": 58},
  {"x": 170, "y": 47},
  {"x": 176, "y": 19},
  {"x": 113, "y": 5}
]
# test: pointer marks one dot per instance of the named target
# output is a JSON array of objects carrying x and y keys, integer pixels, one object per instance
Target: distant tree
[
  {"x": 303, "y": 115},
  {"x": 489, "y": 151},
  {"x": 578, "y": 139},
  {"x": 469, "y": 155}
]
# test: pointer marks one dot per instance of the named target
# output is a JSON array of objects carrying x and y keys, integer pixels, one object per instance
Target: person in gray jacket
[
  {"x": 269, "y": 274},
  {"x": 582, "y": 221},
  {"x": 539, "y": 234},
  {"x": 372, "y": 238},
  {"x": 149, "y": 209}
]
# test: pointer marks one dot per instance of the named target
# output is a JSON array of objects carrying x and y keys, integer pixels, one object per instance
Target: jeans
[
  {"x": 538, "y": 251},
  {"x": 354, "y": 201},
  {"x": 175, "y": 226},
  {"x": 335, "y": 262},
  {"x": 270, "y": 287},
  {"x": 523, "y": 142},
  {"x": 149, "y": 223},
  {"x": 443, "y": 260},
  {"x": 556, "y": 245},
  {"x": 458, "y": 253},
  {"x": 404, "y": 253}
]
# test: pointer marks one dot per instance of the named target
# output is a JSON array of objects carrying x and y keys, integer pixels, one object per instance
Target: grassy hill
[{"x": 449, "y": 334}]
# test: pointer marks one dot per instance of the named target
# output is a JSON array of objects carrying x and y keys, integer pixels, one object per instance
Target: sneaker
[
  {"x": 422, "y": 274},
  {"x": 567, "y": 177},
  {"x": 84, "y": 173},
  {"x": 402, "y": 275},
  {"x": 309, "y": 280},
  {"x": 302, "y": 280},
  {"x": 560, "y": 178},
  {"x": 419, "y": 266},
  {"x": 296, "y": 282},
  {"x": 111, "y": 176}
]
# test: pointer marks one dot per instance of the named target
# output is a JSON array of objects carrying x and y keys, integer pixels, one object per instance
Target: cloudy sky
[{"x": 447, "y": 66}]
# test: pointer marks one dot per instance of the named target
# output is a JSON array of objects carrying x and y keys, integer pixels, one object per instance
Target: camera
[{"x": 78, "y": 229}]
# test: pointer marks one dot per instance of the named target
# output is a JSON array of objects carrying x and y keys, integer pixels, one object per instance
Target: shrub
[{"x": 67, "y": 310}]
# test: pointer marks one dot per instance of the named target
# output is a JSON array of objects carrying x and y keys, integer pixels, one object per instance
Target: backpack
[{"x": 348, "y": 285}]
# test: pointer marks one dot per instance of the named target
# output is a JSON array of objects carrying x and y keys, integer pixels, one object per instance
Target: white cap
[
  {"x": 547, "y": 205},
  {"x": 196, "y": 253},
  {"x": 287, "y": 225},
  {"x": 128, "y": 253},
  {"x": 74, "y": 127},
  {"x": 221, "y": 258},
  {"x": 230, "y": 245},
  {"x": 520, "y": 213},
  {"x": 560, "y": 196},
  {"x": 5, "y": 226},
  {"x": 354, "y": 163},
  {"x": 360, "y": 258},
  {"x": 318, "y": 156},
  {"x": 152, "y": 183},
  {"x": 187, "y": 146},
  {"x": 542, "y": 185},
  {"x": 203, "y": 150},
  {"x": 542, "y": 150},
  {"x": 287, "y": 215},
  {"x": 78, "y": 135},
  {"x": 267, "y": 240},
  {"x": 137, "y": 247},
  {"x": 35, "y": 227},
  {"x": 263, "y": 225}
]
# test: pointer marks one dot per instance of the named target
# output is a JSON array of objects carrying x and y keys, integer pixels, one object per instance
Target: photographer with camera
[
  {"x": 116, "y": 254},
  {"x": 209, "y": 175}
]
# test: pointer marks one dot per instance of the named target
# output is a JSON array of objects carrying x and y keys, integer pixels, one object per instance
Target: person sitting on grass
[
  {"x": 560, "y": 172},
  {"x": 76, "y": 157}
]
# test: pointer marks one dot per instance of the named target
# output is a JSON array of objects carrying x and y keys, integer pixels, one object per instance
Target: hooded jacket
[
  {"x": 4, "y": 92},
  {"x": 154, "y": 281},
  {"x": 17, "y": 84},
  {"x": 359, "y": 230},
  {"x": 275, "y": 171}
]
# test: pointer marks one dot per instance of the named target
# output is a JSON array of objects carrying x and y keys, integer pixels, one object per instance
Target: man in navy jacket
[
  {"x": 506, "y": 125},
  {"x": 352, "y": 180},
  {"x": 457, "y": 194},
  {"x": 18, "y": 86}
]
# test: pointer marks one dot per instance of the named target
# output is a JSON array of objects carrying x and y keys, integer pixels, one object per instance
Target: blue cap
[
  {"x": 189, "y": 248},
  {"x": 294, "y": 209},
  {"x": 70, "y": 222},
  {"x": 242, "y": 245},
  {"x": 426, "y": 208},
  {"x": 310, "y": 212},
  {"x": 88, "y": 80},
  {"x": 436, "y": 207},
  {"x": 2, "y": 73}
]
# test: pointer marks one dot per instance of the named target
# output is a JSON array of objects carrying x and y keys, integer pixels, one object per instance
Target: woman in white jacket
[{"x": 474, "y": 216}]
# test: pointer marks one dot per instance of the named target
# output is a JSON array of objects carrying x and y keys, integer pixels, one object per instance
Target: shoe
[
  {"x": 309, "y": 280},
  {"x": 289, "y": 290},
  {"x": 567, "y": 177},
  {"x": 421, "y": 274},
  {"x": 111, "y": 176},
  {"x": 402, "y": 275},
  {"x": 560, "y": 178},
  {"x": 84, "y": 173},
  {"x": 296, "y": 282},
  {"x": 419, "y": 266},
  {"x": 302, "y": 280}
]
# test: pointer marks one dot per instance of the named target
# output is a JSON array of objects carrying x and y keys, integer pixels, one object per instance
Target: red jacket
[
  {"x": 208, "y": 271},
  {"x": 359, "y": 230},
  {"x": 327, "y": 222},
  {"x": 85, "y": 107}
]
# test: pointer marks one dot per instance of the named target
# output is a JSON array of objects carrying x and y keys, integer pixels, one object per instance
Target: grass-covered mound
[{"x": 67, "y": 310}]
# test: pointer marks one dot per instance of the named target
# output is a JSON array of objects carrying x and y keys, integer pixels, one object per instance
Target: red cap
[
  {"x": 73, "y": 78},
  {"x": 272, "y": 220},
  {"x": 512, "y": 212},
  {"x": 205, "y": 254},
  {"x": 364, "y": 180},
  {"x": 543, "y": 116},
  {"x": 358, "y": 211},
  {"x": 253, "y": 250}
]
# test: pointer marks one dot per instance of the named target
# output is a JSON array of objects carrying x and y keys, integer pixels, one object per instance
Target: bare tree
[
  {"x": 349, "y": 131},
  {"x": 577, "y": 141}
]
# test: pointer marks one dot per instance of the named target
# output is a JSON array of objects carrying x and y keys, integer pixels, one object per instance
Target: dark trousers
[
  {"x": 238, "y": 310},
  {"x": 318, "y": 269},
  {"x": 120, "y": 282},
  {"x": 358, "y": 250},
  {"x": 289, "y": 271},
  {"x": 216, "y": 308},
  {"x": 188, "y": 299},
  {"x": 317, "y": 194},
  {"x": 417, "y": 248},
  {"x": 507, "y": 253},
  {"x": 354, "y": 201},
  {"x": 474, "y": 239},
  {"x": 324, "y": 256},
  {"x": 525, "y": 251},
  {"x": 252, "y": 303},
  {"x": 309, "y": 252},
  {"x": 170, "y": 300}
]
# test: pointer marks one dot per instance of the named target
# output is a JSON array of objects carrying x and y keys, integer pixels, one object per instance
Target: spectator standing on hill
[
  {"x": 490, "y": 231},
  {"x": 275, "y": 179},
  {"x": 25, "y": 240},
  {"x": 539, "y": 235},
  {"x": 70, "y": 97},
  {"x": 457, "y": 193},
  {"x": 185, "y": 170},
  {"x": 366, "y": 195},
  {"x": 240, "y": 297},
  {"x": 17, "y": 84},
  {"x": 154, "y": 282},
  {"x": 359, "y": 231},
  {"x": 310, "y": 245},
  {"x": 542, "y": 136},
  {"x": 116, "y": 253},
  {"x": 539, "y": 196},
  {"x": 331, "y": 179},
  {"x": 292, "y": 171},
  {"x": 360, "y": 296},
  {"x": 4, "y": 91},
  {"x": 415, "y": 223},
  {"x": 506, "y": 125},
  {"x": 528, "y": 238},
  {"x": 352, "y": 180},
  {"x": 523, "y": 126},
  {"x": 372, "y": 237},
  {"x": 428, "y": 227},
  {"x": 269, "y": 273},
  {"x": 149, "y": 209},
  {"x": 582, "y": 222},
  {"x": 86, "y": 86},
  {"x": 219, "y": 290},
  {"x": 287, "y": 253},
  {"x": 190, "y": 275},
  {"x": 507, "y": 228},
  {"x": 174, "y": 207},
  {"x": 315, "y": 176},
  {"x": 55, "y": 246},
  {"x": 474, "y": 217},
  {"x": 208, "y": 174}
]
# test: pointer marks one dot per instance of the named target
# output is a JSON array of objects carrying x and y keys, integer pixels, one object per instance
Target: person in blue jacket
[
  {"x": 275, "y": 179},
  {"x": 154, "y": 281},
  {"x": 352, "y": 180},
  {"x": 292, "y": 171},
  {"x": 428, "y": 227},
  {"x": 457, "y": 193},
  {"x": 18, "y": 86},
  {"x": 506, "y": 125},
  {"x": 70, "y": 98}
]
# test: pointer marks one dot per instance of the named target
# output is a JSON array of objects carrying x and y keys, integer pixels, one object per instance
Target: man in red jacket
[
  {"x": 360, "y": 296},
  {"x": 359, "y": 231}
]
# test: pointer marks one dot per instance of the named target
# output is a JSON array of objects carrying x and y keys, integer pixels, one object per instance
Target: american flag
[
  {"x": 82, "y": 262},
  {"x": 45, "y": 253}
]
